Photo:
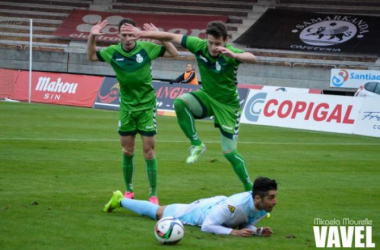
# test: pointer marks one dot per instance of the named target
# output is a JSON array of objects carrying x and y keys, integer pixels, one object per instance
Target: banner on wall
[
  {"x": 368, "y": 121},
  {"x": 8, "y": 78},
  {"x": 78, "y": 24},
  {"x": 166, "y": 93},
  {"x": 314, "y": 32},
  {"x": 291, "y": 109},
  {"x": 108, "y": 97},
  {"x": 351, "y": 78},
  {"x": 58, "y": 88},
  {"x": 302, "y": 111}
]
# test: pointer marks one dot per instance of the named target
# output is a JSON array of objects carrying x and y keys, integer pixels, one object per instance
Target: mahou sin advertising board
[{"x": 58, "y": 88}]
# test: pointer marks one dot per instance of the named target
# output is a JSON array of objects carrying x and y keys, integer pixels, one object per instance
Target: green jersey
[
  {"x": 218, "y": 73},
  {"x": 134, "y": 73}
]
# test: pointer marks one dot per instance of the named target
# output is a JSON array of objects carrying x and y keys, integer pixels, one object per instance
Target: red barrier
[
  {"x": 7, "y": 83},
  {"x": 58, "y": 88}
]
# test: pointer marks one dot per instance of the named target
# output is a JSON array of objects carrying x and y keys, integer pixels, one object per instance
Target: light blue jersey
[{"x": 219, "y": 214}]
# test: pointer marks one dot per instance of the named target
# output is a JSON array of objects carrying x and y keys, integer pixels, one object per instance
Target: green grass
[{"x": 59, "y": 165}]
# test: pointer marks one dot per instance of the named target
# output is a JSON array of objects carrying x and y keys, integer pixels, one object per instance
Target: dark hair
[
  {"x": 217, "y": 29},
  {"x": 126, "y": 20},
  {"x": 262, "y": 186}
]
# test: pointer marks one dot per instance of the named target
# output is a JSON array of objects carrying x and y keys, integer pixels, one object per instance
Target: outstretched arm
[
  {"x": 179, "y": 78},
  {"x": 91, "y": 42},
  {"x": 245, "y": 57},
  {"x": 219, "y": 229},
  {"x": 214, "y": 221},
  {"x": 158, "y": 35},
  {"x": 246, "y": 232},
  {"x": 171, "y": 51}
]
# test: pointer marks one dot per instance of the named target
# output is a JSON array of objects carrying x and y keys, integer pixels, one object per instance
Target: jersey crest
[
  {"x": 217, "y": 66},
  {"x": 139, "y": 58},
  {"x": 231, "y": 208}
]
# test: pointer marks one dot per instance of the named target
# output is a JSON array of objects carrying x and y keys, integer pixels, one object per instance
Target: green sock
[
  {"x": 238, "y": 164},
  {"x": 151, "y": 169},
  {"x": 186, "y": 121},
  {"x": 128, "y": 167}
]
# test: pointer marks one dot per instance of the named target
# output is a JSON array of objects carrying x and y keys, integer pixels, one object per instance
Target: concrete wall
[{"x": 170, "y": 68}]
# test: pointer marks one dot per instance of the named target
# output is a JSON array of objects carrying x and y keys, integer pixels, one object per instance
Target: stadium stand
[
  {"x": 47, "y": 15},
  {"x": 321, "y": 60},
  {"x": 235, "y": 10},
  {"x": 366, "y": 7}
]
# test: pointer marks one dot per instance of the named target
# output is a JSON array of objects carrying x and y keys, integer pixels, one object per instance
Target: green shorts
[
  {"x": 143, "y": 122},
  {"x": 226, "y": 116}
]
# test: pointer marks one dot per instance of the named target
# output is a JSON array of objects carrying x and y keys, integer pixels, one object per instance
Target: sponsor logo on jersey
[{"x": 231, "y": 208}]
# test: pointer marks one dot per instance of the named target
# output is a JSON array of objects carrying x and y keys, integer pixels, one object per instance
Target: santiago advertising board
[{"x": 348, "y": 78}]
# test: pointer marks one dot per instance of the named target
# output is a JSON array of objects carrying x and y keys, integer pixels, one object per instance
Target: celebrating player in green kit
[
  {"x": 131, "y": 61},
  {"x": 218, "y": 63}
]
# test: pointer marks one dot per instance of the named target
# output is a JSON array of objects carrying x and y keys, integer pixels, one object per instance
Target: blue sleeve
[{"x": 215, "y": 219}]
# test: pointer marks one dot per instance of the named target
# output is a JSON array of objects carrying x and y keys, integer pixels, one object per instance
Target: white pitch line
[{"x": 185, "y": 141}]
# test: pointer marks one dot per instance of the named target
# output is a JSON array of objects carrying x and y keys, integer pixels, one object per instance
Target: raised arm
[
  {"x": 245, "y": 57},
  {"x": 91, "y": 41},
  {"x": 171, "y": 50},
  {"x": 158, "y": 35}
]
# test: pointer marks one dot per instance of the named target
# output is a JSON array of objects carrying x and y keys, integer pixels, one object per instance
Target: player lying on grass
[{"x": 236, "y": 215}]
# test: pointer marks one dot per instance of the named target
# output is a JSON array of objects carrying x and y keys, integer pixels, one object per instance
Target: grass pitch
[{"x": 59, "y": 165}]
